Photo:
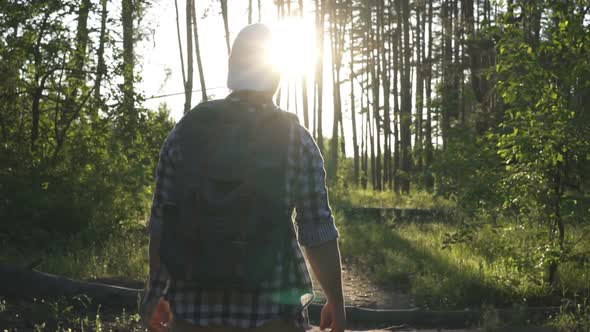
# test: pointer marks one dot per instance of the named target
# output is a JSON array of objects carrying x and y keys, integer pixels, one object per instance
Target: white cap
[{"x": 250, "y": 66}]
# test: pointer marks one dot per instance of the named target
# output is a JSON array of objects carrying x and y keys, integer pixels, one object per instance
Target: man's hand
[
  {"x": 333, "y": 316},
  {"x": 157, "y": 316},
  {"x": 325, "y": 262}
]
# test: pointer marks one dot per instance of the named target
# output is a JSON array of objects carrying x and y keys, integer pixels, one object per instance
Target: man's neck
[{"x": 252, "y": 96}]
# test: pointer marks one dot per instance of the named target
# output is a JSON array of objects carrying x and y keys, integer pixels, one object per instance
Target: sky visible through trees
[{"x": 405, "y": 57}]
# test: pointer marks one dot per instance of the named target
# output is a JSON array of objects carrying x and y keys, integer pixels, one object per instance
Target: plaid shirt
[{"x": 289, "y": 291}]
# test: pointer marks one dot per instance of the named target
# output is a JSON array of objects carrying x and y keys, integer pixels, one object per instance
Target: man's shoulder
[
  {"x": 202, "y": 109},
  {"x": 291, "y": 116},
  {"x": 209, "y": 105}
]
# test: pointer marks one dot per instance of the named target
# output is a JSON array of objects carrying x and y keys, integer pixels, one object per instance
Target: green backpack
[{"x": 230, "y": 219}]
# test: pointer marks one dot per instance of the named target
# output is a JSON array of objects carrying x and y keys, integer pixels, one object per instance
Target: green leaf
[{"x": 559, "y": 157}]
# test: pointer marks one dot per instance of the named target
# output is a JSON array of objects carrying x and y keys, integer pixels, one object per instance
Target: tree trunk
[
  {"x": 406, "y": 102},
  {"x": 336, "y": 64},
  {"x": 457, "y": 62},
  {"x": 375, "y": 88},
  {"x": 27, "y": 283},
  {"x": 385, "y": 78},
  {"x": 225, "y": 24},
  {"x": 304, "y": 82},
  {"x": 198, "y": 52},
  {"x": 128, "y": 61},
  {"x": 396, "y": 52},
  {"x": 428, "y": 155},
  {"x": 352, "y": 103},
  {"x": 419, "y": 90},
  {"x": 319, "y": 71},
  {"x": 180, "y": 49},
  {"x": 447, "y": 79},
  {"x": 101, "y": 66},
  {"x": 188, "y": 85},
  {"x": 364, "y": 132},
  {"x": 82, "y": 36}
]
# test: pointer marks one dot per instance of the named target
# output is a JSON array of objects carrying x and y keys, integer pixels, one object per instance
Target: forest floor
[
  {"x": 396, "y": 256},
  {"x": 360, "y": 291}
]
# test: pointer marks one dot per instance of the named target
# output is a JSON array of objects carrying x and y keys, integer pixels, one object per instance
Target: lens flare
[{"x": 294, "y": 49}]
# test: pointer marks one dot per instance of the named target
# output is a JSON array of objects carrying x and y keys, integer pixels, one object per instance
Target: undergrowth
[
  {"x": 341, "y": 196},
  {"x": 498, "y": 266},
  {"x": 122, "y": 255}
]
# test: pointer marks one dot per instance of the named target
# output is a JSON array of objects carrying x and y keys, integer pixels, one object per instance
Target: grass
[
  {"x": 121, "y": 256},
  {"x": 345, "y": 197},
  {"x": 64, "y": 315},
  {"x": 497, "y": 267}
]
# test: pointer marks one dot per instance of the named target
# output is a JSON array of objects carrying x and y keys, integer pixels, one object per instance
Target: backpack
[{"x": 230, "y": 219}]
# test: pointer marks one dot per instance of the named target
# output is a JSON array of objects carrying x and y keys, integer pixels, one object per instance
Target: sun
[{"x": 294, "y": 47}]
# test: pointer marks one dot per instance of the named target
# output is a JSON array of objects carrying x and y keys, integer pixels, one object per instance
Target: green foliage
[
  {"x": 71, "y": 161},
  {"x": 499, "y": 266},
  {"x": 66, "y": 315},
  {"x": 100, "y": 184},
  {"x": 574, "y": 315},
  {"x": 347, "y": 197},
  {"x": 527, "y": 175},
  {"x": 469, "y": 170},
  {"x": 122, "y": 255},
  {"x": 543, "y": 139}
]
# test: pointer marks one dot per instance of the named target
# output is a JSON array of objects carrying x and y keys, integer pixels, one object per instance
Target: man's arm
[
  {"x": 315, "y": 226},
  {"x": 158, "y": 277},
  {"x": 325, "y": 263},
  {"x": 154, "y": 252}
]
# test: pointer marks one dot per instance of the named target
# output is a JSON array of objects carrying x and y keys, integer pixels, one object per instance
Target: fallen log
[
  {"x": 395, "y": 215},
  {"x": 25, "y": 283},
  {"x": 423, "y": 318},
  {"x": 28, "y": 283}
]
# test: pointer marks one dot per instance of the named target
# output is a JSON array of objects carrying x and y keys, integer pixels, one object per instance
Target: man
[{"x": 244, "y": 165}]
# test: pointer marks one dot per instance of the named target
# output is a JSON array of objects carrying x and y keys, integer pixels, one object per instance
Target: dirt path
[{"x": 359, "y": 291}]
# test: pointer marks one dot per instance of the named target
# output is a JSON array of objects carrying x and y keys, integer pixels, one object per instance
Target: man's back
[
  {"x": 227, "y": 215},
  {"x": 286, "y": 290}
]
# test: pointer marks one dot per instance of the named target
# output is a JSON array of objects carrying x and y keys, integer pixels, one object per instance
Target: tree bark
[
  {"x": 336, "y": 48},
  {"x": 419, "y": 90},
  {"x": 447, "y": 79},
  {"x": 304, "y": 83},
  {"x": 180, "y": 49},
  {"x": 27, "y": 283},
  {"x": 428, "y": 155},
  {"x": 352, "y": 102},
  {"x": 396, "y": 53},
  {"x": 375, "y": 88},
  {"x": 225, "y": 24},
  {"x": 188, "y": 85},
  {"x": 39, "y": 82},
  {"x": 198, "y": 53},
  {"x": 406, "y": 102},
  {"x": 128, "y": 61},
  {"x": 101, "y": 66},
  {"x": 319, "y": 71},
  {"x": 249, "y": 11}
]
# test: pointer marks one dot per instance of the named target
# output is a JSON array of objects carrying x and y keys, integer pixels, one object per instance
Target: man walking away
[{"x": 224, "y": 253}]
